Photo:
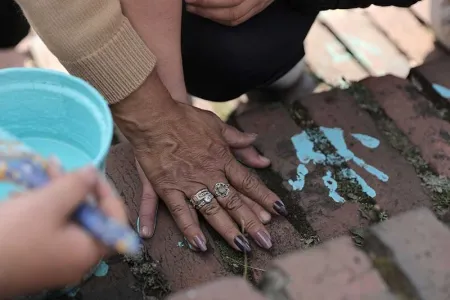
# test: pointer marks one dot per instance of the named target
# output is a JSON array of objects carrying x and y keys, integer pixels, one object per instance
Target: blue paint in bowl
[{"x": 55, "y": 114}]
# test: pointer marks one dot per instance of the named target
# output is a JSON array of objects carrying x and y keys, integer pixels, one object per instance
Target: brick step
[
  {"x": 403, "y": 258},
  {"x": 335, "y": 111}
]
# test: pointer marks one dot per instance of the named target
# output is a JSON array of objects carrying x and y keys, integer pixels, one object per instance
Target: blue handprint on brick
[{"x": 304, "y": 146}]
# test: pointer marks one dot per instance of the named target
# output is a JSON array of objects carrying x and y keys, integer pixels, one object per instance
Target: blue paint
[
  {"x": 305, "y": 153},
  {"x": 102, "y": 269},
  {"x": 332, "y": 186},
  {"x": 299, "y": 183},
  {"x": 442, "y": 90},
  {"x": 350, "y": 174},
  {"x": 366, "y": 140},
  {"x": 55, "y": 114},
  {"x": 336, "y": 138},
  {"x": 304, "y": 147}
]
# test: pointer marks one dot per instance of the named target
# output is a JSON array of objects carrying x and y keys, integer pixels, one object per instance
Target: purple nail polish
[
  {"x": 200, "y": 243},
  {"x": 280, "y": 208},
  {"x": 263, "y": 239},
  {"x": 242, "y": 243}
]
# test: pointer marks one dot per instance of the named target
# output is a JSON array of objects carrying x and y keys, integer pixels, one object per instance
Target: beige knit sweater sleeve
[{"x": 94, "y": 41}]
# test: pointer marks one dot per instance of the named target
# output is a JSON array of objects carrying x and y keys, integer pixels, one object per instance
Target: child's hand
[{"x": 40, "y": 246}]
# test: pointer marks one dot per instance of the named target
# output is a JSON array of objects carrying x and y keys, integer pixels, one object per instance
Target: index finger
[
  {"x": 250, "y": 185},
  {"x": 215, "y": 3},
  {"x": 109, "y": 201}
]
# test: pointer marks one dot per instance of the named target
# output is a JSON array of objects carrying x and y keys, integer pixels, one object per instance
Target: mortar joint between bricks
[
  {"x": 438, "y": 187},
  {"x": 384, "y": 262}
]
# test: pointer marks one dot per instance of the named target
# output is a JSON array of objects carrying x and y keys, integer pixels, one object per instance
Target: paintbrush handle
[{"x": 20, "y": 165}]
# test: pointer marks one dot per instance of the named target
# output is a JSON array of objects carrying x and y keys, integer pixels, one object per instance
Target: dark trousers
[
  {"x": 13, "y": 25},
  {"x": 221, "y": 63}
]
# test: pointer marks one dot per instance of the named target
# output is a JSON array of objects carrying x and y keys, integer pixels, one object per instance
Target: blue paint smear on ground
[
  {"x": 366, "y": 140},
  {"x": 304, "y": 147},
  {"x": 102, "y": 270},
  {"x": 442, "y": 90},
  {"x": 332, "y": 186}
]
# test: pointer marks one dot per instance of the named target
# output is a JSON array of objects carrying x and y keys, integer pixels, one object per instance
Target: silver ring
[
  {"x": 201, "y": 198},
  {"x": 221, "y": 189}
]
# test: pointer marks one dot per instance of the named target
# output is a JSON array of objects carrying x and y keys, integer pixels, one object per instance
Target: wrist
[{"x": 145, "y": 111}]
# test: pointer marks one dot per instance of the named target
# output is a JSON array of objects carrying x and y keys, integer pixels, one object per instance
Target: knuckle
[
  {"x": 230, "y": 231},
  {"x": 221, "y": 151},
  {"x": 176, "y": 209},
  {"x": 250, "y": 182},
  {"x": 211, "y": 209},
  {"x": 251, "y": 224},
  {"x": 232, "y": 15},
  {"x": 233, "y": 203},
  {"x": 187, "y": 227},
  {"x": 235, "y": 22}
]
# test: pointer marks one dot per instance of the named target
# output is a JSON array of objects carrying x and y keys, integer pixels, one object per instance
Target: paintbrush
[{"x": 20, "y": 165}]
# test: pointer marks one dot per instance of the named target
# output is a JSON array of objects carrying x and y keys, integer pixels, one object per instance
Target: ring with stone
[
  {"x": 221, "y": 189},
  {"x": 201, "y": 198}
]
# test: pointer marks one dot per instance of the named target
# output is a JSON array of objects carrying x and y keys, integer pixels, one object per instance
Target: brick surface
[
  {"x": 224, "y": 289},
  {"x": 328, "y": 58},
  {"x": 118, "y": 284},
  {"x": 371, "y": 47},
  {"x": 181, "y": 267},
  {"x": 405, "y": 30},
  {"x": 403, "y": 190},
  {"x": 419, "y": 245},
  {"x": 415, "y": 116},
  {"x": 275, "y": 129},
  {"x": 335, "y": 270},
  {"x": 429, "y": 74}
]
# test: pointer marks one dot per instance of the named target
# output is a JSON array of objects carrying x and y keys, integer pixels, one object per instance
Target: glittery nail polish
[
  {"x": 242, "y": 243},
  {"x": 280, "y": 208}
]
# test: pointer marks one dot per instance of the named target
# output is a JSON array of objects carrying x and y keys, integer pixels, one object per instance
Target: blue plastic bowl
[{"x": 55, "y": 114}]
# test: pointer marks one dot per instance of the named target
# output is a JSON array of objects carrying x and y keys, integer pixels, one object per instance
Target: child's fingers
[
  {"x": 66, "y": 192},
  {"x": 109, "y": 201},
  {"x": 54, "y": 167}
]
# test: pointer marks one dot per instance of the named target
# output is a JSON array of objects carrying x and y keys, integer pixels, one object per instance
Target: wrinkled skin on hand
[{"x": 193, "y": 151}]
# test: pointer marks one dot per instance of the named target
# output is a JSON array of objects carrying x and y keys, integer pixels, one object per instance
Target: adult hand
[
  {"x": 183, "y": 150},
  {"x": 149, "y": 200},
  {"x": 41, "y": 247},
  {"x": 227, "y": 12}
]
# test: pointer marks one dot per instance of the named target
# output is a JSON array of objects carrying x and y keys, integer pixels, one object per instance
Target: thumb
[
  {"x": 236, "y": 138},
  {"x": 63, "y": 194}
]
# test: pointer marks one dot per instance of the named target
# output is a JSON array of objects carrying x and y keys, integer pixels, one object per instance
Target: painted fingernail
[
  {"x": 280, "y": 208},
  {"x": 253, "y": 135},
  {"x": 145, "y": 232},
  {"x": 263, "y": 239},
  {"x": 192, "y": 248},
  {"x": 200, "y": 243},
  {"x": 265, "y": 217},
  {"x": 242, "y": 243},
  {"x": 264, "y": 159}
]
